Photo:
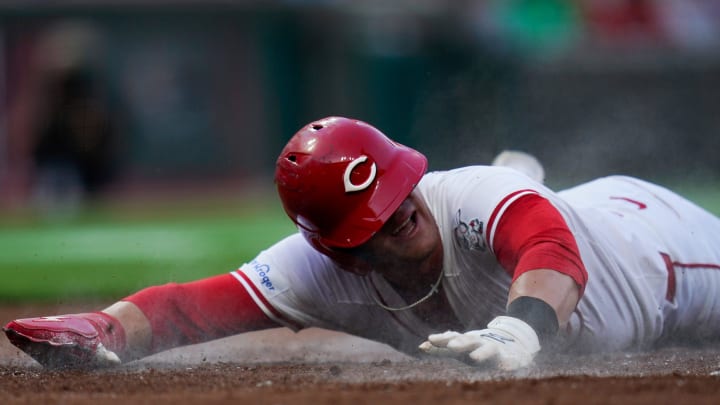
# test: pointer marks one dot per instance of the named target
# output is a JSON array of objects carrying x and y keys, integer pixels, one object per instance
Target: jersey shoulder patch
[{"x": 468, "y": 232}]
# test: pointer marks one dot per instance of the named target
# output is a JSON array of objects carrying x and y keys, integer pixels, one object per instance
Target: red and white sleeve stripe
[
  {"x": 262, "y": 302},
  {"x": 526, "y": 232},
  {"x": 500, "y": 210}
]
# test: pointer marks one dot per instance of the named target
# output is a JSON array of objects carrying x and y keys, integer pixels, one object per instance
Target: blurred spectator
[
  {"x": 526, "y": 26},
  {"x": 691, "y": 24},
  {"x": 74, "y": 144},
  {"x": 623, "y": 23}
]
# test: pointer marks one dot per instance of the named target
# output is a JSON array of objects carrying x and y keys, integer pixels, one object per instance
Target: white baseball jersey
[{"x": 652, "y": 258}]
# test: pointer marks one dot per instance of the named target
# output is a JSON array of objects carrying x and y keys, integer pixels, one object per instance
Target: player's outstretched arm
[
  {"x": 508, "y": 343},
  {"x": 152, "y": 320},
  {"x": 534, "y": 243},
  {"x": 539, "y": 302}
]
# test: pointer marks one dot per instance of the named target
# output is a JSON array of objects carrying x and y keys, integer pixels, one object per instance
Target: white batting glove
[{"x": 508, "y": 342}]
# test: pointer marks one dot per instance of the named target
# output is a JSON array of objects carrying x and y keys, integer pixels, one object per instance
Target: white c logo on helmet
[{"x": 349, "y": 186}]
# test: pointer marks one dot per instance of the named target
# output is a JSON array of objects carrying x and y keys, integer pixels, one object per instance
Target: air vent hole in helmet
[{"x": 317, "y": 127}]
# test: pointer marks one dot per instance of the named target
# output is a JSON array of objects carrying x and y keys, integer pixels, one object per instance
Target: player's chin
[
  {"x": 418, "y": 248},
  {"x": 358, "y": 270}
]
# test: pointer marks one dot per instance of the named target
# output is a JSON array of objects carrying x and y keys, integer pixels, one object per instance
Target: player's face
[{"x": 408, "y": 240}]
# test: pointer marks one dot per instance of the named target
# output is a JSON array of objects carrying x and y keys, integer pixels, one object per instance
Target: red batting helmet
[{"x": 340, "y": 180}]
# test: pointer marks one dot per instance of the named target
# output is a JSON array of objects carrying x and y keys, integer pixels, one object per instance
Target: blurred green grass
[
  {"x": 707, "y": 196},
  {"x": 107, "y": 253}
]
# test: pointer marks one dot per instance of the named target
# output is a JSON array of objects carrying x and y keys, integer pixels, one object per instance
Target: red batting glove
[{"x": 84, "y": 340}]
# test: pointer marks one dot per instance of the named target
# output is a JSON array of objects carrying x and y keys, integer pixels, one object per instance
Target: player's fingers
[
  {"x": 464, "y": 343},
  {"x": 431, "y": 349},
  {"x": 442, "y": 339},
  {"x": 104, "y": 356},
  {"x": 484, "y": 353}
]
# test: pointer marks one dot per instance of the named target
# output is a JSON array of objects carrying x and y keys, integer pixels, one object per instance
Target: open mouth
[{"x": 407, "y": 226}]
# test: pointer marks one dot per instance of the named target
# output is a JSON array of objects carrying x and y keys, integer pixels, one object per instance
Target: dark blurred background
[{"x": 105, "y": 99}]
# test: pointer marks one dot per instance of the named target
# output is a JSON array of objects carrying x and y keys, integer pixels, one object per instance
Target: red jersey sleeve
[
  {"x": 531, "y": 234},
  {"x": 198, "y": 311}
]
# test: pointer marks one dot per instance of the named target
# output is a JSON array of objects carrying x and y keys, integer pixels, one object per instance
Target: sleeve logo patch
[
  {"x": 263, "y": 272},
  {"x": 469, "y": 234}
]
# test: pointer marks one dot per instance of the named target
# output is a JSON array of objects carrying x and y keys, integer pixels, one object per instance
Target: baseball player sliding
[{"x": 482, "y": 263}]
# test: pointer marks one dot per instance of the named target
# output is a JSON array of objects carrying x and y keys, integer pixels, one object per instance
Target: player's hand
[
  {"x": 508, "y": 343},
  {"x": 86, "y": 340}
]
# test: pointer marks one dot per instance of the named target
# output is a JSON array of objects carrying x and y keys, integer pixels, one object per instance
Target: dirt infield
[{"x": 321, "y": 367}]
